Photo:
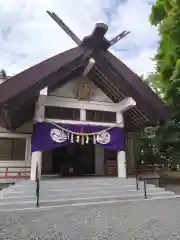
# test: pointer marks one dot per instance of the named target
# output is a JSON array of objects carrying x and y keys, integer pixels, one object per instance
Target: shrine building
[{"x": 74, "y": 113}]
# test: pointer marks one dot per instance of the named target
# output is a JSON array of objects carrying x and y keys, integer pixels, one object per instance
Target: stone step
[
  {"x": 89, "y": 180},
  {"x": 64, "y": 185},
  {"x": 55, "y": 194},
  {"x": 74, "y": 192},
  {"x": 81, "y": 179},
  {"x": 78, "y": 182},
  {"x": 44, "y": 190},
  {"x": 6, "y": 205}
]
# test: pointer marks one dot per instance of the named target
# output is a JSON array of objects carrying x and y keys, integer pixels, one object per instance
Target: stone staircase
[{"x": 76, "y": 191}]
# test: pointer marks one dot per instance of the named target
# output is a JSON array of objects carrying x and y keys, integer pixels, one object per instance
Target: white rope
[{"x": 77, "y": 133}]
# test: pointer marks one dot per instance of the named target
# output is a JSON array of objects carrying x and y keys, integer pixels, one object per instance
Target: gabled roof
[{"x": 18, "y": 94}]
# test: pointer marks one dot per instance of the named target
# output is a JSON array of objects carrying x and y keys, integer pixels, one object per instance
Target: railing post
[
  {"x": 145, "y": 190},
  {"x": 37, "y": 186},
  {"x": 137, "y": 183},
  {"x": 6, "y": 172}
]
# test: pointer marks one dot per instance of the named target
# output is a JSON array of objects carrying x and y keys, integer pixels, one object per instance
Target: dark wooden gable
[
  {"x": 18, "y": 94},
  {"x": 118, "y": 82}
]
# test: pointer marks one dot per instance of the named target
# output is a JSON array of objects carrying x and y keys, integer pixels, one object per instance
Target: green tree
[
  {"x": 166, "y": 16},
  {"x": 146, "y": 150},
  {"x": 146, "y": 140}
]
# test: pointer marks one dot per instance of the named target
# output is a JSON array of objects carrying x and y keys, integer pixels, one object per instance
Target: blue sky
[{"x": 28, "y": 35}]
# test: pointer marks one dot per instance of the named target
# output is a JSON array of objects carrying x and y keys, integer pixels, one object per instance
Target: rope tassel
[
  {"x": 87, "y": 139},
  {"x": 77, "y": 139},
  {"x": 94, "y": 139},
  {"x": 82, "y": 140},
  {"x": 72, "y": 138}
]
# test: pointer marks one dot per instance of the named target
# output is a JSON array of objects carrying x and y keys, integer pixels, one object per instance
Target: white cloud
[
  {"x": 28, "y": 35},
  {"x": 142, "y": 64}
]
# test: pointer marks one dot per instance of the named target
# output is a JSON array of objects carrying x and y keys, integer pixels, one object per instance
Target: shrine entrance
[
  {"x": 78, "y": 150},
  {"x": 70, "y": 160}
]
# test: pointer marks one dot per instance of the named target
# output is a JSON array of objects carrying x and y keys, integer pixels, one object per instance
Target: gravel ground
[{"x": 155, "y": 219}]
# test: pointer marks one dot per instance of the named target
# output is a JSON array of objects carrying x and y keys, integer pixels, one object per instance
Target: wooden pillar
[
  {"x": 131, "y": 164},
  {"x": 121, "y": 155},
  {"x": 37, "y": 156},
  {"x": 35, "y": 160}
]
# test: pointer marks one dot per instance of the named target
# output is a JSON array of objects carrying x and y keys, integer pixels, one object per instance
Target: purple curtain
[{"x": 47, "y": 136}]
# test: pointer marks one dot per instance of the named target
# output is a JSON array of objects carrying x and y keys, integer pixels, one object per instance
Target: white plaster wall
[{"x": 70, "y": 90}]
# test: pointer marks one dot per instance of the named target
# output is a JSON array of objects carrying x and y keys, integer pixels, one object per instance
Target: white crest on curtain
[
  {"x": 58, "y": 135},
  {"x": 103, "y": 138}
]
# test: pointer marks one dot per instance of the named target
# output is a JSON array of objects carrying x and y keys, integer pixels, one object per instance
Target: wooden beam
[{"x": 91, "y": 105}]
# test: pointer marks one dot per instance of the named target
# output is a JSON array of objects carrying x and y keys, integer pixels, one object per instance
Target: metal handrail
[
  {"x": 145, "y": 189},
  {"x": 137, "y": 185},
  {"x": 137, "y": 182},
  {"x": 144, "y": 183},
  {"x": 37, "y": 185}
]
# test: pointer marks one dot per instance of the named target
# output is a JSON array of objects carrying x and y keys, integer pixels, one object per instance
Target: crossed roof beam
[
  {"x": 99, "y": 42},
  {"x": 76, "y": 39},
  {"x": 97, "y": 37}
]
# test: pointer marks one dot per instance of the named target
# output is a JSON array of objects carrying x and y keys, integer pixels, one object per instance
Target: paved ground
[
  {"x": 142, "y": 219},
  {"x": 83, "y": 216}
]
